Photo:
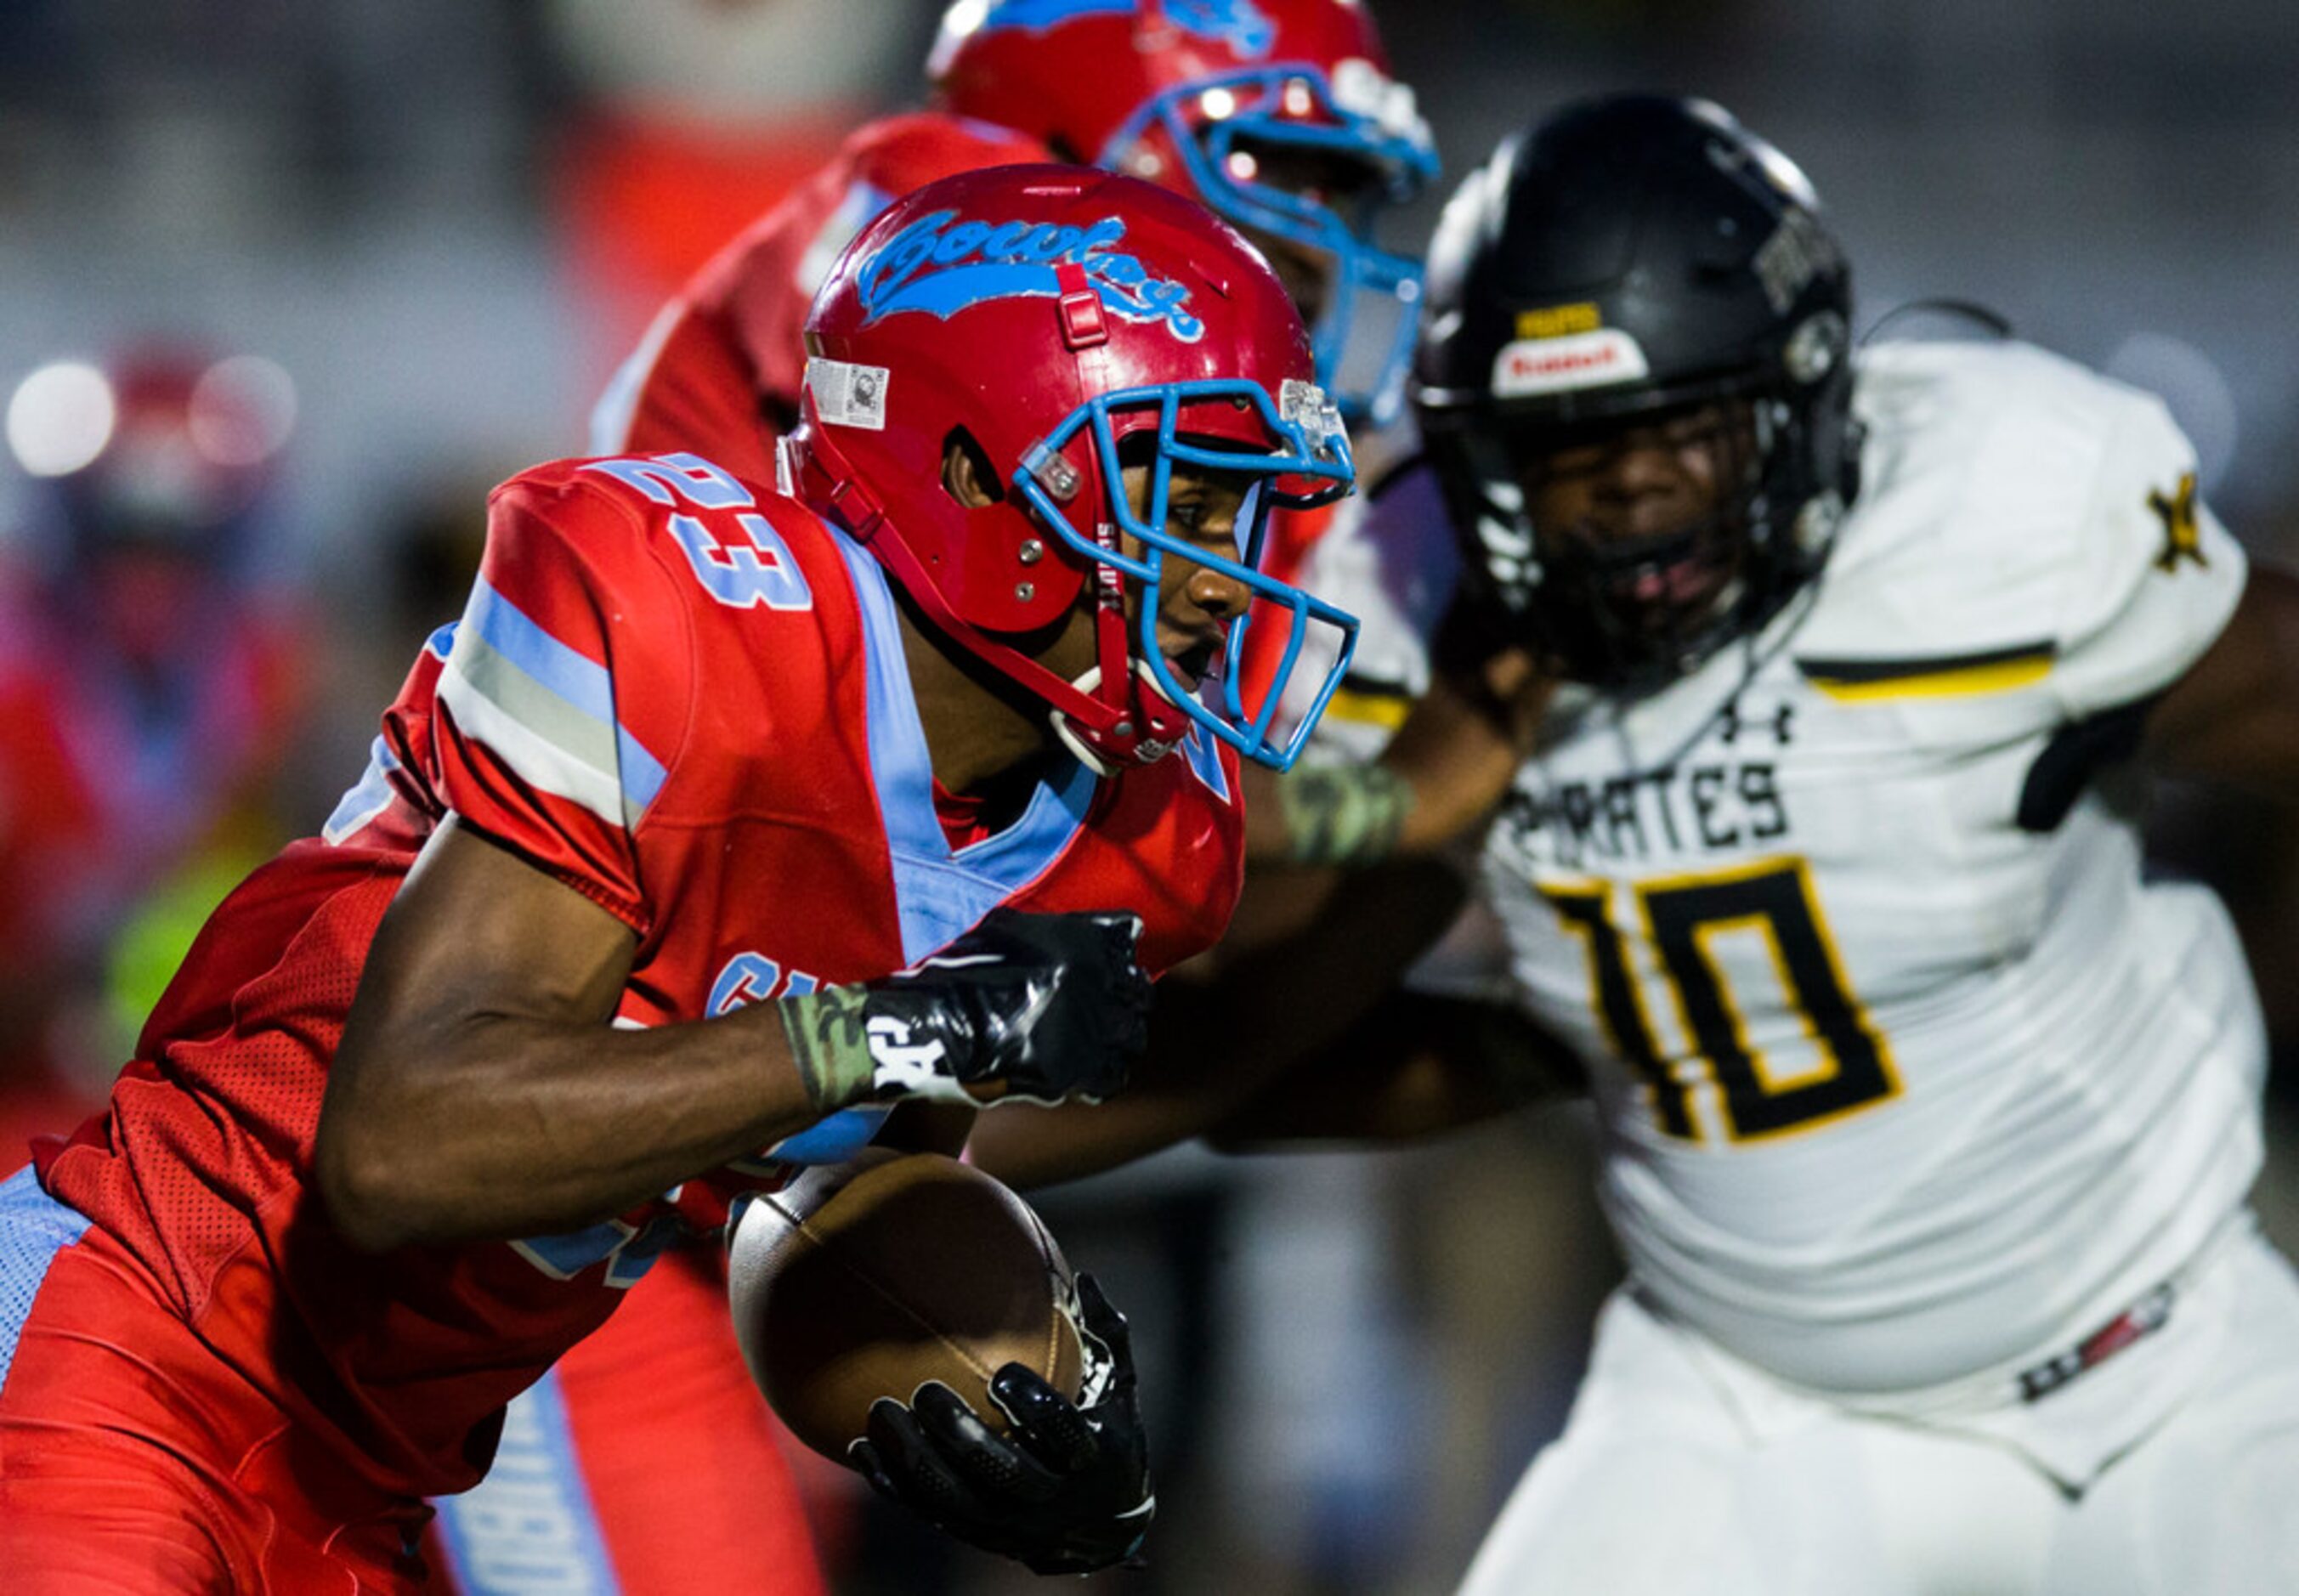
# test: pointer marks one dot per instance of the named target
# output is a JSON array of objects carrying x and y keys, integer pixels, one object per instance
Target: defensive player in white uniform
[{"x": 1927, "y": 1120}]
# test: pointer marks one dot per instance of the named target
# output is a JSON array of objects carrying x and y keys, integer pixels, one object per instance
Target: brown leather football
[{"x": 870, "y": 1278}]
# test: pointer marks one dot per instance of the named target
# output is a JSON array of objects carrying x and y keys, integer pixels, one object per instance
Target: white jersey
[
  {"x": 1388, "y": 558},
  {"x": 1905, "y": 1073}
]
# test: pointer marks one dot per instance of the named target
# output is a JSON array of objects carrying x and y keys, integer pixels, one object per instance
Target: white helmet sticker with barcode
[{"x": 846, "y": 394}]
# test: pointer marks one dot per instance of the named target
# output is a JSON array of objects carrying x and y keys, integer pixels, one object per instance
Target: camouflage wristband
[
  {"x": 1343, "y": 814},
  {"x": 829, "y": 1042}
]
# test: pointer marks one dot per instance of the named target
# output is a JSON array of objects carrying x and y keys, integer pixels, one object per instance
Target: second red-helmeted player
[{"x": 1278, "y": 115}]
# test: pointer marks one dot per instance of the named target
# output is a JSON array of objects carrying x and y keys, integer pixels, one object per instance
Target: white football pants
[{"x": 1659, "y": 1488}]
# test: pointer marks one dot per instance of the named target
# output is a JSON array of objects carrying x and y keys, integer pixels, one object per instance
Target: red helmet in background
[
  {"x": 155, "y": 480},
  {"x": 1280, "y": 115},
  {"x": 163, "y": 450},
  {"x": 1051, "y": 314}
]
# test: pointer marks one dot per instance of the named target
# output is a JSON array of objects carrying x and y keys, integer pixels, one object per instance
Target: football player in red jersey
[
  {"x": 1281, "y": 116},
  {"x": 643, "y": 892}
]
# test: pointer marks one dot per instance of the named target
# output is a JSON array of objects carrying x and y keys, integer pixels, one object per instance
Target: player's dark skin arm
[
  {"x": 1214, "y": 1043},
  {"x": 1417, "y": 1065},
  {"x": 1412, "y": 1066},
  {"x": 1310, "y": 953},
  {"x": 1306, "y": 1040},
  {"x": 1456, "y": 752},
  {"x": 479, "y": 1092},
  {"x": 2234, "y": 717}
]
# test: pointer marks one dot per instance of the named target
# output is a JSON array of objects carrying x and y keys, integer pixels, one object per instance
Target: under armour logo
[{"x": 1732, "y": 723}]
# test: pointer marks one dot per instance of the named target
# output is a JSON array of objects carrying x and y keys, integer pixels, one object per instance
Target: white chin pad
[{"x": 1091, "y": 758}]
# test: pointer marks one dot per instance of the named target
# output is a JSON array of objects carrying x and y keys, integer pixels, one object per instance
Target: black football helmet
[{"x": 1629, "y": 261}]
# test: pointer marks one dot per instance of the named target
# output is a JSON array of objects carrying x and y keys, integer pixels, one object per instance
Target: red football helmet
[
  {"x": 1278, "y": 114},
  {"x": 155, "y": 485},
  {"x": 1049, "y": 313},
  {"x": 164, "y": 449}
]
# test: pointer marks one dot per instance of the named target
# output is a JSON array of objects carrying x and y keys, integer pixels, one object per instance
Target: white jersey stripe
[{"x": 532, "y": 758}]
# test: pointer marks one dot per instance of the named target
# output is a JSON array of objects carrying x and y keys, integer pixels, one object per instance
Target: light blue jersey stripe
[
  {"x": 369, "y": 798},
  {"x": 583, "y": 686},
  {"x": 507, "y": 629},
  {"x": 643, "y": 774},
  {"x": 939, "y": 895},
  {"x": 34, "y": 1227},
  {"x": 529, "y": 1527}
]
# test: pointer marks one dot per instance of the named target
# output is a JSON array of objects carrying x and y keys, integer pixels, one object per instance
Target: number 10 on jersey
[{"x": 1680, "y": 918}]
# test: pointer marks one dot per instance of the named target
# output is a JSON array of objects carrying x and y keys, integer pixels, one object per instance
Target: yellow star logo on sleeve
[{"x": 2182, "y": 538}]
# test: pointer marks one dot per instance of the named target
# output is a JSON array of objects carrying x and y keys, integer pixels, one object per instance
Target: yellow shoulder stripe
[
  {"x": 1386, "y": 709},
  {"x": 1946, "y": 675}
]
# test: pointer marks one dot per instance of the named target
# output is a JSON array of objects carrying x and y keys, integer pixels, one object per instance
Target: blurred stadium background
[{"x": 443, "y": 221}]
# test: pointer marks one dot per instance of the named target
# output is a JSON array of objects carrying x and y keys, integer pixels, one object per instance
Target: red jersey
[
  {"x": 719, "y": 371},
  {"x": 104, "y": 785},
  {"x": 687, "y": 700}
]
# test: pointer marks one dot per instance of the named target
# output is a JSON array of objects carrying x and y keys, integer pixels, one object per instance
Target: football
[{"x": 870, "y": 1278}]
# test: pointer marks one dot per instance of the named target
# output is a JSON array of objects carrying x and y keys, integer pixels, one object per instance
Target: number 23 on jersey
[{"x": 734, "y": 552}]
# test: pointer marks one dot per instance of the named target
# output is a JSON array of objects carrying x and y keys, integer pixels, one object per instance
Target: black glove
[
  {"x": 1038, "y": 1007},
  {"x": 1068, "y": 1493}
]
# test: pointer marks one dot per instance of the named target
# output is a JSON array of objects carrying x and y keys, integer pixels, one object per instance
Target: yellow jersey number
[{"x": 1677, "y": 917}]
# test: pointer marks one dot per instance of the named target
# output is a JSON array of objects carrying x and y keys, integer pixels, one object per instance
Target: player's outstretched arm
[
  {"x": 1419, "y": 1064},
  {"x": 1313, "y": 948},
  {"x": 479, "y": 1092},
  {"x": 1225, "y": 1050},
  {"x": 1443, "y": 772},
  {"x": 1068, "y": 1492}
]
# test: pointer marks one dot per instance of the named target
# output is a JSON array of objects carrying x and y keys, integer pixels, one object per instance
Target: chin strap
[
  {"x": 819, "y": 478},
  {"x": 1105, "y": 753}
]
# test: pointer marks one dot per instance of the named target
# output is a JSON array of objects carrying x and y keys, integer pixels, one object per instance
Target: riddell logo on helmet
[
  {"x": 1556, "y": 365},
  {"x": 941, "y": 265}
]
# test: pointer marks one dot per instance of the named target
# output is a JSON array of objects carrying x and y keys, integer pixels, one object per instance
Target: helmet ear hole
[{"x": 967, "y": 476}]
